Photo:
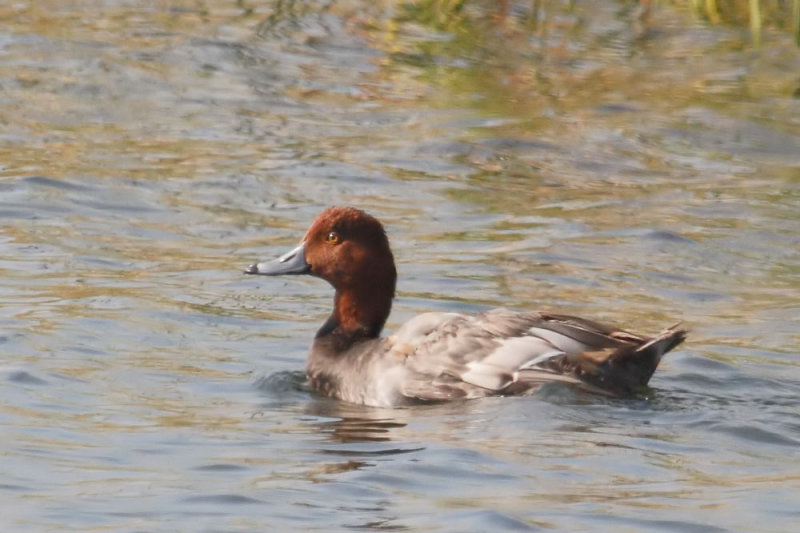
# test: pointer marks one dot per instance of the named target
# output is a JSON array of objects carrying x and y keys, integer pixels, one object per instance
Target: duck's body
[{"x": 445, "y": 356}]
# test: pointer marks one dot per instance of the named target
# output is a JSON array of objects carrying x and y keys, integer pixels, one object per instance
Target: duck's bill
[{"x": 293, "y": 262}]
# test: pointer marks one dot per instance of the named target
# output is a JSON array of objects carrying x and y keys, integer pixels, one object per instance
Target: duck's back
[{"x": 500, "y": 351}]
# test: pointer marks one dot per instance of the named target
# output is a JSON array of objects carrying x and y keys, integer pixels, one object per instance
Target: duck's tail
[{"x": 626, "y": 369}]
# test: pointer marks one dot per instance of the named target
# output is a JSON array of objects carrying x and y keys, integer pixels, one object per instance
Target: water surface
[{"x": 639, "y": 168}]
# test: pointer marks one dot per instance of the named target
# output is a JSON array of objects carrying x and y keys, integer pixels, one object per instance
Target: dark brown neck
[{"x": 358, "y": 314}]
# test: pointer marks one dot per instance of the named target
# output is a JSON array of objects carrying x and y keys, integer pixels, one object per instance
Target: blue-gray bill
[{"x": 292, "y": 262}]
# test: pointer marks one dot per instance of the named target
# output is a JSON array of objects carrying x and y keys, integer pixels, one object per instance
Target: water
[{"x": 586, "y": 159}]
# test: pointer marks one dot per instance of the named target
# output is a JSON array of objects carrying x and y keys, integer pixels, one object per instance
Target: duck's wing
[
  {"x": 508, "y": 352},
  {"x": 614, "y": 360}
]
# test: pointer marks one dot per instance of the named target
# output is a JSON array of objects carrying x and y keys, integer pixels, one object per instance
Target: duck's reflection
[
  {"x": 347, "y": 423},
  {"x": 337, "y": 421},
  {"x": 366, "y": 430}
]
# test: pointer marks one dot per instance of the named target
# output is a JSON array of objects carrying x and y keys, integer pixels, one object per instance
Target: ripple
[
  {"x": 753, "y": 433},
  {"x": 670, "y": 236},
  {"x": 221, "y": 467},
  {"x": 64, "y": 185},
  {"x": 22, "y": 377},
  {"x": 223, "y": 499},
  {"x": 283, "y": 385},
  {"x": 486, "y": 520}
]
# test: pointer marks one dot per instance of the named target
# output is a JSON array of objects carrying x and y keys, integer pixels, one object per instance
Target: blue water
[{"x": 581, "y": 158}]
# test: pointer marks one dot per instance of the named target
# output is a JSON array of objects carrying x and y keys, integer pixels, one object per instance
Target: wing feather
[{"x": 502, "y": 351}]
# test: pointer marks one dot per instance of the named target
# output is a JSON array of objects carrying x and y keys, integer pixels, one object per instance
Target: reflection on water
[{"x": 633, "y": 165}]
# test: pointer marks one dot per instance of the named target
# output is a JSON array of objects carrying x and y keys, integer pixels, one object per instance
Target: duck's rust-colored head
[{"x": 349, "y": 249}]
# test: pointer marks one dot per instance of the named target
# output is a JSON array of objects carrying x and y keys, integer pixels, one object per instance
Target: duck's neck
[{"x": 358, "y": 314}]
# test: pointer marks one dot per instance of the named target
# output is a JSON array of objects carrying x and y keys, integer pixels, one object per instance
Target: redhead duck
[{"x": 444, "y": 356}]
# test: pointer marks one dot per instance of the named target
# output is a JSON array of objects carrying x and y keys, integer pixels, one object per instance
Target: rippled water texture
[{"x": 584, "y": 157}]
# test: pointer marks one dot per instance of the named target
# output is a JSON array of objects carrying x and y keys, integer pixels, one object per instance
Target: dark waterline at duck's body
[{"x": 444, "y": 356}]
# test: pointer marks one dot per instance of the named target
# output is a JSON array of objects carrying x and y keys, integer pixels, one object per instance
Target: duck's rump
[{"x": 508, "y": 352}]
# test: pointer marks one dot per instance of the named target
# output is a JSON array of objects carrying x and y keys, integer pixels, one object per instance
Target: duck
[{"x": 444, "y": 356}]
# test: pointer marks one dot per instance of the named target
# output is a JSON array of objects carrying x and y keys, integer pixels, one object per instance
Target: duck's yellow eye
[{"x": 333, "y": 237}]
